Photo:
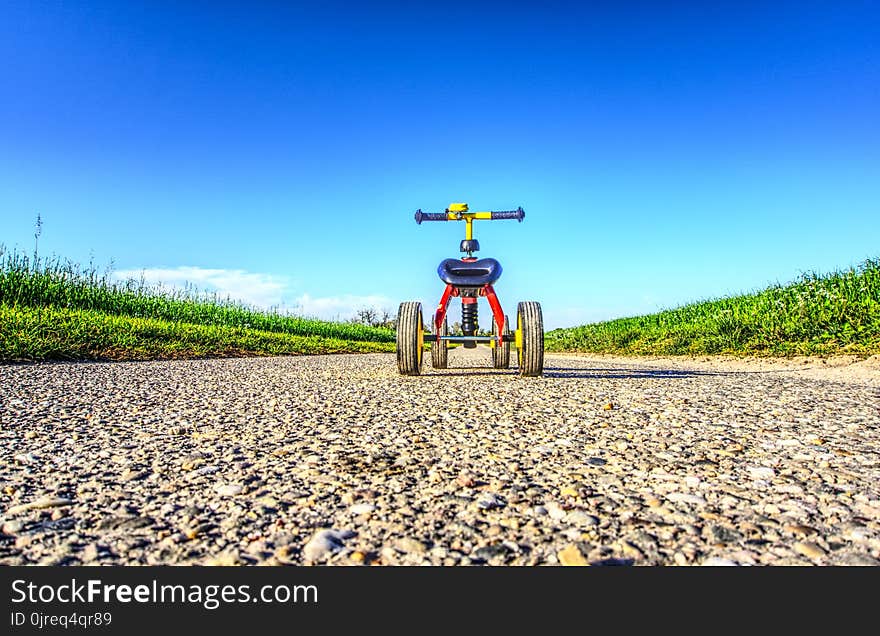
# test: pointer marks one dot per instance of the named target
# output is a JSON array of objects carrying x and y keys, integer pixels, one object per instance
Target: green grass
[
  {"x": 45, "y": 333},
  {"x": 54, "y": 309},
  {"x": 838, "y": 313}
]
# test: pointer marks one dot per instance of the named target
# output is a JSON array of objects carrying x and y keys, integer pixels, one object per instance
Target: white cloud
[
  {"x": 260, "y": 290},
  {"x": 339, "y": 307}
]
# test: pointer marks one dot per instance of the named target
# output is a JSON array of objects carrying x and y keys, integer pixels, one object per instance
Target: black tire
[
  {"x": 530, "y": 349},
  {"x": 501, "y": 355},
  {"x": 409, "y": 338},
  {"x": 440, "y": 350}
]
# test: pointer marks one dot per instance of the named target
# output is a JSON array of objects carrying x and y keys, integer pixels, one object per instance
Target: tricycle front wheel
[
  {"x": 440, "y": 350},
  {"x": 501, "y": 354}
]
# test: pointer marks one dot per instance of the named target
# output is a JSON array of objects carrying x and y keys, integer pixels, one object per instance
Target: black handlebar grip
[
  {"x": 517, "y": 214},
  {"x": 430, "y": 216}
]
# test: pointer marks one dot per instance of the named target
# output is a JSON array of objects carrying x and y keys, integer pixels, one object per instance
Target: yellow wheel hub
[
  {"x": 518, "y": 335},
  {"x": 421, "y": 339}
]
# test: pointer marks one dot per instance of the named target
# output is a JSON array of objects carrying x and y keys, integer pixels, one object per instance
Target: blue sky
[{"x": 663, "y": 152}]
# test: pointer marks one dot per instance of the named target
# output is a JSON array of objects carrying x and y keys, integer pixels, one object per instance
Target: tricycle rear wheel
[
  {"x": 530, "y": 339},
  {"x": 410, "y": 338}
]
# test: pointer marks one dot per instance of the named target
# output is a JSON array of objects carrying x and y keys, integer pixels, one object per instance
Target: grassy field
[
  {"x": 838, "y": 313},
  {"x": 54, "y": 309}
]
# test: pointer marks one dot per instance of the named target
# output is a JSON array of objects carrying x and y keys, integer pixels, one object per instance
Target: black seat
[{"x": 469, "y": 274}]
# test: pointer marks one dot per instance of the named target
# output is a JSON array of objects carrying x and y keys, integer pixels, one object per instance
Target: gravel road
[{"x": 339, "y": 460}]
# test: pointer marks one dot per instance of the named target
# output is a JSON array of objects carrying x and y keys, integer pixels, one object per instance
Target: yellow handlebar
[
  {"x": 467, "y": 216},
  {"x": 459, "y": 212}
]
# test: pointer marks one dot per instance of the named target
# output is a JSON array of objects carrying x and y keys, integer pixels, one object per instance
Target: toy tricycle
[{"x": 469, "y": 278}]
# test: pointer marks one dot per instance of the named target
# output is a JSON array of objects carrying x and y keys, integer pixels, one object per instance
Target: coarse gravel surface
[{"x": 339, "y": 460}]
